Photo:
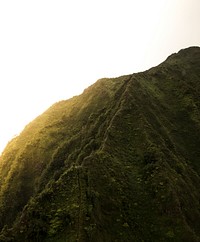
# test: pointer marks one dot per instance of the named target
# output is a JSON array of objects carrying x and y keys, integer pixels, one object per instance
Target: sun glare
[{"x": 50, "y": 50}]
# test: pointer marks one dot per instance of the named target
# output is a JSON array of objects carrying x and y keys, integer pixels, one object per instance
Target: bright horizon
[{"x": 53, "y": 50}]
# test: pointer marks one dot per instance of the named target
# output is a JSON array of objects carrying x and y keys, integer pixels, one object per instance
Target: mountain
[{"x": 118, "y": 163}]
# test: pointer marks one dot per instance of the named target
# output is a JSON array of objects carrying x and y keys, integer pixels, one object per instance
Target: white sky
[{"x": 52, "y": 50}]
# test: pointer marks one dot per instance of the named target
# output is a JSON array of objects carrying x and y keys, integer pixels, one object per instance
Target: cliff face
[{"x": 121, "y": 162}]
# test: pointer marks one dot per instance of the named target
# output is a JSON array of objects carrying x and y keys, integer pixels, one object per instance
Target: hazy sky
[{"x": 52, "y": 50}]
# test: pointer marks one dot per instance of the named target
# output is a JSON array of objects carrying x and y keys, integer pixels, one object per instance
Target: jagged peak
[{"x": 185, "y": 53}]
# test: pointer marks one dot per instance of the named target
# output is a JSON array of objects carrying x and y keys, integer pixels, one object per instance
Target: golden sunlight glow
[{"x": 52, "y": 50}]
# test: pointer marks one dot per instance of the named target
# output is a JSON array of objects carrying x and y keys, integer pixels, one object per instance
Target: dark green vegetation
[{"x": 119, "y": 163}]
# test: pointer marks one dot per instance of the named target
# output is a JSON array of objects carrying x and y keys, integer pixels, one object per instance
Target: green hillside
[{"x": 118, "y": 163}]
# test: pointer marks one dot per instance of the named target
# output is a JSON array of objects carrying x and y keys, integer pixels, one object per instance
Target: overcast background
[{"x": 52, "y": 50}]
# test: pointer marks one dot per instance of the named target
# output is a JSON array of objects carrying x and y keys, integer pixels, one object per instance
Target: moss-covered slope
[{"x": 121, "y": 162}]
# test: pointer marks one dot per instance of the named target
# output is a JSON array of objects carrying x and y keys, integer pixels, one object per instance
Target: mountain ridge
[{"x": 120, "y": 162}]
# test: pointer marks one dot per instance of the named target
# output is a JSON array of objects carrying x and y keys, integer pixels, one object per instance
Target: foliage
[{"x": 118, "y": 163}]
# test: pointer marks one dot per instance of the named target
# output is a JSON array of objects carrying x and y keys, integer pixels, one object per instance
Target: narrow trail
[
  {"x": 79, "y": 205},
  {"x": 116, "y": 108}
]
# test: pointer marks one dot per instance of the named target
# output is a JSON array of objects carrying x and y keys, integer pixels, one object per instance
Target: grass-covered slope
[{"x": 121, "y": 162}]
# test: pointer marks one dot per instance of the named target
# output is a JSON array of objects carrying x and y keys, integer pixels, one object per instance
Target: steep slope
[{"x": 121, "y": 162}]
